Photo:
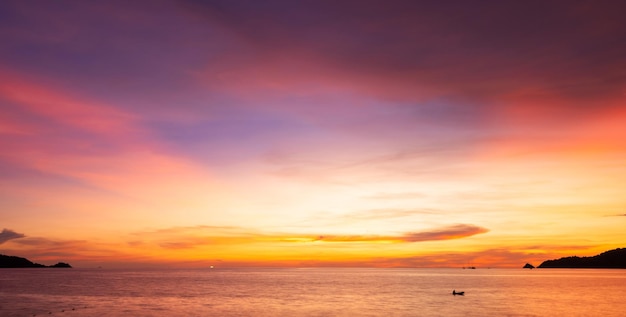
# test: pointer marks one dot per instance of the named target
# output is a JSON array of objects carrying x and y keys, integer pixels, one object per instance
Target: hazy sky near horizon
[{"x": 376, "y": 133}]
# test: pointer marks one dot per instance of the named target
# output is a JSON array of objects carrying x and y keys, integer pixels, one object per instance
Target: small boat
[{"x": 454, "y": 292}]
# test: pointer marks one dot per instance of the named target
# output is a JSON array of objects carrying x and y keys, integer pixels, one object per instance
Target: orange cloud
[
  {"x": 191, "y": 237},
  {"x": 80, "y": 253},
  {"x": 187, "y": 246},
  {"x": 500, "y": 257}
]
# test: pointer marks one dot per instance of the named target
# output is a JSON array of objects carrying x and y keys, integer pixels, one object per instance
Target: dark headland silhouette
[
  {"x": 7, "y": 261},
  {"x": 612, "y": 259},
  {"x": 529, "y": 266}
]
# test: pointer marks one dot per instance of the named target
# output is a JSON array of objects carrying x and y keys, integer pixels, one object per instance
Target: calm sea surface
[{"x": 312, "y": 292}]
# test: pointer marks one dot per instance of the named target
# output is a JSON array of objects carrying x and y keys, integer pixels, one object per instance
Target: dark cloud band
[{"x": 7, "y": 235}]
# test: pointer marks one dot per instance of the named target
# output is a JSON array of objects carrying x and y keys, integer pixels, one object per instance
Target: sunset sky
[{"x": 311, "y": 133}]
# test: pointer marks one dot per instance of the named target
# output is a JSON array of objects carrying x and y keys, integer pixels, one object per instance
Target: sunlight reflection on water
[{"x": 311, "y": 292}]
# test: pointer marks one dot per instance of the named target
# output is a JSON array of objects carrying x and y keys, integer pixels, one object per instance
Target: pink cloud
[
  {"x": 88, "y": 116},
  {"x": 84, "y": 139}
]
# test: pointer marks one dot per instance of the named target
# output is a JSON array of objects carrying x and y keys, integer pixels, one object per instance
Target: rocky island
[
  {"x": 7, "y": 261},
  {"x": 612, "y": 259}
]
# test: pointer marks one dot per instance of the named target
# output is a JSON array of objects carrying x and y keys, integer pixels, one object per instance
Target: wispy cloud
[
  {"x": 360, "y": 57},
  {"x": 513, "y": 257},
  {"x": 7, "y": 235},
  {"x": 192, "y": 237},
  {"x": 79, "y": 253},
  {"x": 179, "y": 238},
  {"x": 381, "y": 213},
  {"x": 491, "y": 257},
  {"x": 616, "y": 215},
  {"x": 447, "y": 233},
  {"x": 39, "y": 242},
  {"x": 404, "y": 195}
]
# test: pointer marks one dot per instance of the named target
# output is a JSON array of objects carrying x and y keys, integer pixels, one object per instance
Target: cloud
[
  {"x": 408, "y": 50},
  {"x": 189, "y": 231},
  {"x": 39, "y": 242},
  {"x": 446, "y": 233},
  {"x": 493, "y": 257},
  {"x": 452, "y": 232},
  {"x": 615, "y": 215},
  {"x": 58, "y": 106},
  {"x": 393, "y": 196},
  {"x": 7, "y": 235},
  {"x": 387, "y": 213},
  {"x": 511, "y": 257},
  {"x": 79, "y": 253},
  {"x": 187, "y": 242},
  {"x": 67, "y": 136},
  {"x": 180, "y": 238}
]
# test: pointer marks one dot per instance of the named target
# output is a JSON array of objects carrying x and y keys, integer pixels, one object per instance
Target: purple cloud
[
  {"x": 452, "y": 232},
  {"x": 446, "y": 233},
  {"x": 7, "y": 235}
]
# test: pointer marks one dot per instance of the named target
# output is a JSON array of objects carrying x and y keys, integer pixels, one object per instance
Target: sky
[{"x": 311, "y": 133}]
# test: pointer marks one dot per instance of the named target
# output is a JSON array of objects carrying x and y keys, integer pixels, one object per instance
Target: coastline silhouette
[
  {"x": 612, "y": 259},
  {"x": 8, "y": 261}
]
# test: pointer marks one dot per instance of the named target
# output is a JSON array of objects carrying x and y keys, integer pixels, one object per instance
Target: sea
[{"x": 312, "y": 292}]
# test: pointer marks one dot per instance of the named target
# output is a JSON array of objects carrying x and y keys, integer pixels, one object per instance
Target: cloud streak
[
  {"x": 447, "y": 233},
  {"x": 424, "y": 50},
  {"x": 192, "y": 237},
  {"x": 7, "y": 235}
]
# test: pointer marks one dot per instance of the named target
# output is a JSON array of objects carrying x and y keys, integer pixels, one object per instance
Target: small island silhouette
[
  {"x": 612, "y": 259},
  {"x": 7, "y": 261}
]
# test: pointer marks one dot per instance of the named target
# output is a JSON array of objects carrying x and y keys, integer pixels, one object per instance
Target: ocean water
[{"x": 312, "y": 292}]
